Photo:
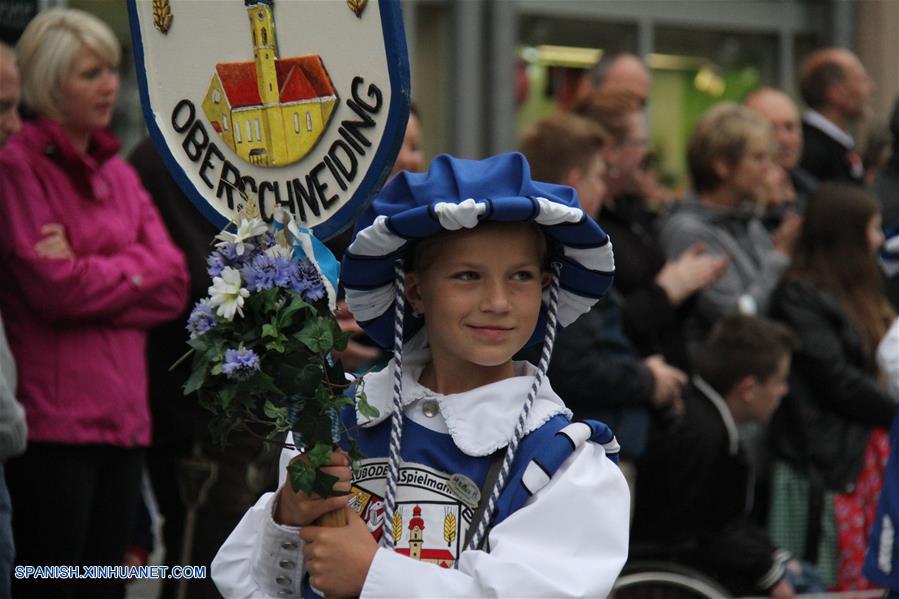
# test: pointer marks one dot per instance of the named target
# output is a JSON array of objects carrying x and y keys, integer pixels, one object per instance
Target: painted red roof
[
  {"x": 299, "y": 78},
  {"x": 315, "y": 77},
  {"x": 431, "y": 554},
  {"x": 239, "y": 83}
]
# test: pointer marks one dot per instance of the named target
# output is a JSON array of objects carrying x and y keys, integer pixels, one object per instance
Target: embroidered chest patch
[{"x": 430, "y": 522}]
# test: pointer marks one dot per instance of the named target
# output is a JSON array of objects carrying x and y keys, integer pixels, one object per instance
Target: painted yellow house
[{"x": 270, "y": 111}]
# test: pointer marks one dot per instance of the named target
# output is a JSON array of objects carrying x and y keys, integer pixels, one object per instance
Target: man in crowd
[
  {"x": 780, "y": 110},
  {"x": 618, "y": 71},
  {"x": 836, "y": 88}
]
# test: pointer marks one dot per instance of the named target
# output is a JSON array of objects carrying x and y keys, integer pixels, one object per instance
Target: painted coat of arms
[
  {"x": 430, "y": 522},
  {"x": 300, "y": 104}
]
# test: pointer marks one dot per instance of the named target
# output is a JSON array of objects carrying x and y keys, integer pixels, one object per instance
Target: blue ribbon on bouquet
[{"x": 308, "y": 245}]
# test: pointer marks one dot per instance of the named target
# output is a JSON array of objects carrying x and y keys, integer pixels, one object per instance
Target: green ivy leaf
[
  {"x": 277, "y": 344},
  {"x": 320, "y": 454},
  {"x": 342, "y": 340},
  {"x": 199, "y": 343},
  {"x": 284, "y": 318},
  {"x": 366, "y": 409},
  {"x": 324, "y": 484},
  {"x": 195, "y": 381},
  {"x": 226, "y": 395},
  {"x": 273, "y": 411},
  {"x": 269, "y": 330},
  {"x": 340, "y": 401},
  {"x": 302, "y": 477},
  {"x": 316, "y": 335}
]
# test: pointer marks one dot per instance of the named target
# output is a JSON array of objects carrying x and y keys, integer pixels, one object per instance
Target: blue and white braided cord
[
  {"x": 548, "y": 341},
  {"x": 396, "y": 419}
]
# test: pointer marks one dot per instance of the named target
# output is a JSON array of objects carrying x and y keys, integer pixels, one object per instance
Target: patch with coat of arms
[{"x": 430, "y": 522}]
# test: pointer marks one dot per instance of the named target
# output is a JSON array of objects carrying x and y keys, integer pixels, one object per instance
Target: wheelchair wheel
[{"x": 665, "y": 580}]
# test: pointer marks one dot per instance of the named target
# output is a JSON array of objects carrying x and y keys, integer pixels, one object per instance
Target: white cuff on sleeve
[{"x": 277, "y": 564}]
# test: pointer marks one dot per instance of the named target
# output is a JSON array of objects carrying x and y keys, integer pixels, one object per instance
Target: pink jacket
[{"x": 78, "y": 327}]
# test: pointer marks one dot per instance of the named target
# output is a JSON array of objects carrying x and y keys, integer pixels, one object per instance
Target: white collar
[
  {"x": 480, "y": 421},
  {"x": 819, "y": 121},
  {"x": 732, "y": 434}
]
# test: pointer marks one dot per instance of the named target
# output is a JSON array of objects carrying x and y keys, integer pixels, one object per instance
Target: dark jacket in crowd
[
  {"x": 694, "y": 495},
  {"x": 175, "y": 417},
  {"x": 651, "y": 321},
  {"x": 827, "y": 159},
  {"x": 597, "y": 372},
  {"x": 823, "y": 424},
  {"x": 886, "y": 186}
]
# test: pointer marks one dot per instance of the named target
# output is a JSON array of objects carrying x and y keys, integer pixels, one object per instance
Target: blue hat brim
[{"x": 456, "y": 194}]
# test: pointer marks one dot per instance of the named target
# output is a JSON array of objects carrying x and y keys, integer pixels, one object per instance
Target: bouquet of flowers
[{"x": 262, "y": 343}]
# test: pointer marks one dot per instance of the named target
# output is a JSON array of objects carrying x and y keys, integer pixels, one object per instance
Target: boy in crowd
[{"x": 694, "y": 492}]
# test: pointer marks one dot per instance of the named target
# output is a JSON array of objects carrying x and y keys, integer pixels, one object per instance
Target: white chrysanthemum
[
  {"x": 246, "y": 229},
  {"x": 279, "y": 251},
  {"x": 226, "y": 294}
]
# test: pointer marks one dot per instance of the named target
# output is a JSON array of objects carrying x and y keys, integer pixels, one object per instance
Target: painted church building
[{"x": 270, "y": 111}]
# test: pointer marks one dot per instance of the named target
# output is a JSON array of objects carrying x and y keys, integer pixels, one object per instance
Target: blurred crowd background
[{"x": 482, "y": 71}]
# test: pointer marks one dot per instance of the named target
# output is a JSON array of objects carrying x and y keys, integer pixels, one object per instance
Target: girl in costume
[{"x": 475, "y": 483}]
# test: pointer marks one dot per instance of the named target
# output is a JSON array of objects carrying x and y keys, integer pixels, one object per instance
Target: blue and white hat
[{"x": 455, "y": 194}]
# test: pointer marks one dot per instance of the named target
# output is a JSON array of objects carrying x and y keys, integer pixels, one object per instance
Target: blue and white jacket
[{"x": 561, "y": 525}]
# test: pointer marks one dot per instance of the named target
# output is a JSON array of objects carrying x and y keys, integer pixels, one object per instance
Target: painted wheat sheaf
[
  {"x": 357, "y": 6},
  {"x": 397, "y": 526},
  {"x": 162, "y": 15},
  {"x": 449, "y": 528}
]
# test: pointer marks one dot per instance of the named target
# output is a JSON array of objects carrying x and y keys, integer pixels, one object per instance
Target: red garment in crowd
[
  {"x": 78, "y": 327},
  {"x": 855, "y": 513}
]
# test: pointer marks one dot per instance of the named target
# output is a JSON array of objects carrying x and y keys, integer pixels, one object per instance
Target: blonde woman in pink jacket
[{"x": 87, "y": 267}]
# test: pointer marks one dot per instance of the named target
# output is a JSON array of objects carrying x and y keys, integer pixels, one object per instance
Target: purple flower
[
  {"x": 215, "y": 264},
  {"x": 307, "y": 282},
  {"x": 240, "y": 364},
  {"x": 201, "y": 319},
  {"x": 225, "y": 255},
  {"x": 284, "y": 269},
  {"x": 260, "y": 273}
]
